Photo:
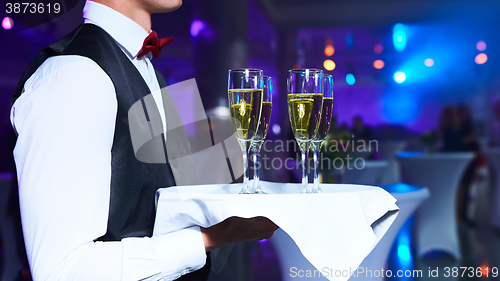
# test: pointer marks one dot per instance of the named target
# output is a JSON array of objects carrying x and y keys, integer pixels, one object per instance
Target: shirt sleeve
[{"x": 65, "y": 122}]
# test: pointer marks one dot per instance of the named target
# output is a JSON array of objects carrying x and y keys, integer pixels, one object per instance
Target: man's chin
[
  {"x": 169, "y": 9},
  {"x": 164, "y": 11}
]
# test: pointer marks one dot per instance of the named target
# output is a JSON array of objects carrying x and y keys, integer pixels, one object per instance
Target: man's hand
[{"x": 235, "y": 229}]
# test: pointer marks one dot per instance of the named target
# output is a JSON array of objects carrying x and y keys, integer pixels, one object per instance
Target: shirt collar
[{"x": 126, "y": 32}]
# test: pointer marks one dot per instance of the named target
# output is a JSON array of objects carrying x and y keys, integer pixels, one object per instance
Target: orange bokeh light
[
  {"x": 378, "y": 64},
  {"x": 481, "y": 58},
  {"x": 329, "y": 65},
  {"x": 329, "y": 50},
  {"x": 485, "y": 270}
]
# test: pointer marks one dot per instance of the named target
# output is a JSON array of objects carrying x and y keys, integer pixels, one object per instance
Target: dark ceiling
[{"x": 341, "y": 13}]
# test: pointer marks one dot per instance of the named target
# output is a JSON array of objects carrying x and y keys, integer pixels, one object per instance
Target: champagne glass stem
[
  {"x": 304, "y": 149},
  {"x": 316, "y": 154},
  {"x": 255, "y": 149},
  {"x": 244, "y": 150},
  {"x": 255, "y": 154}
]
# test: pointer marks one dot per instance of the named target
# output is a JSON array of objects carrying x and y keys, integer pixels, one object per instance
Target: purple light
[
  {"x": 276, "y": 129},
  {"x": 481, "y": 46},
  {"x": 7, "y": 23},
  {"x": 196, "y": 27},
  {"x": 429, "y": 62}
]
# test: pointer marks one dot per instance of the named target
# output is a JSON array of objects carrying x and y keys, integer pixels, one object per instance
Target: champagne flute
[
  {"x": 245, "y": 87},
  {"x": 305, "y": 101},
  {"x": 324, "y": 127},
  {"x": 261, "y": 134}
]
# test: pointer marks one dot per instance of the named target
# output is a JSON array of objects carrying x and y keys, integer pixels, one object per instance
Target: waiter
[{"x": 87, "y": 204}]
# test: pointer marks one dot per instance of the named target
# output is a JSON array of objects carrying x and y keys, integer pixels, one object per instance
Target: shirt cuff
[
  {"x": 184, "y": 250},
  {"x": 165, "y": 257}
]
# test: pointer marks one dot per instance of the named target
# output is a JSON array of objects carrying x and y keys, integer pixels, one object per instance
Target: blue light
[
  {"x": 404, "y": 253},
  {"x": 400, "y": 106},
  {"x": 399, "y": 37},
  {"x": 404, "y": 242},
  {"x": 350, "y": 79},
  {"x": 349, "y": 41},
  {"x": 399, "y": 77},
  {"x": 402, "y": 187}
]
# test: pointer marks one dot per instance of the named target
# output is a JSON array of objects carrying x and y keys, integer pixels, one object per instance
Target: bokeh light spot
[
  {"x": 429, "y": 62},
  {"x": 276, "y": 129},
  {"x": 378, "y": 49},
  {"x": 481, "y": 46},
  {"x": 329, "y": 50},
  {"x": 378, "y": 64},
  {"x": 329, "y": 65},
  {"x": 350, "y": 79},
  {"x": 399, "y": 37},
  {"x": 399, "y": 77},
  {"x": 481, "y": 58},
  {"x": 485, "y": 270},
  {"x": 404, "y": 253},
  {"x": 7, "y": 23},
  {"x": 196, "y": 27}
]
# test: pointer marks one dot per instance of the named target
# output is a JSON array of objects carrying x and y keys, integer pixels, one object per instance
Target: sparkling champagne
[
  {"x": 245, "y": 106},
  {"x": 304, "y": 111},
  {"x": 326, "y": 118},
  {"x": 265, "y": 117}
]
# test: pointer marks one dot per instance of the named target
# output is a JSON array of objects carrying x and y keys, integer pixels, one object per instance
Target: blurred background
[{"x": 419, "y": 76}]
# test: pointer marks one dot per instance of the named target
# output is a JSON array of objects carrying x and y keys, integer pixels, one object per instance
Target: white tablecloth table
[
  {"x": 336, "y": 229},
  {"x": 387, "y": 151},
  {"x": 370, "y": 173},
  {"x": 436, "y": 219},
  {"x": 409, "y": 198},
  {"x": 493, "y": 157}
]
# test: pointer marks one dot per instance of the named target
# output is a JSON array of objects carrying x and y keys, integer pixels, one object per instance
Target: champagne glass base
[
  {"x": 254, "y": 189},
  {"x": 252, "y": 192},
  {"x": 250, "y": 189},
  {"x": 255, "y": 192},
  {"x": 317, "y": 190},
  {"x": 310, "y": 189},
  {"x": 244, "y": 190}
]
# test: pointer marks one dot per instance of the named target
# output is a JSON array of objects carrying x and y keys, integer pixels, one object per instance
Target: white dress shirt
[{"x": 65, "y": 121}]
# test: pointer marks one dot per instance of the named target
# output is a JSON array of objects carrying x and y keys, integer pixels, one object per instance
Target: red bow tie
[{"x": 153, "y": 44}]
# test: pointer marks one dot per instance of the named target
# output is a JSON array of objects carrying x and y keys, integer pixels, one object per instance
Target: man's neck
[{"x": 130, "y": 10}]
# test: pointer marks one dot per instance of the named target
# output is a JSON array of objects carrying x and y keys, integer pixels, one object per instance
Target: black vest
[{"x": 133, "y": 183}]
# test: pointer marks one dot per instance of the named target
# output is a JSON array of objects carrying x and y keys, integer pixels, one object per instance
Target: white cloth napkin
[{"x": 335, "y": 229}]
